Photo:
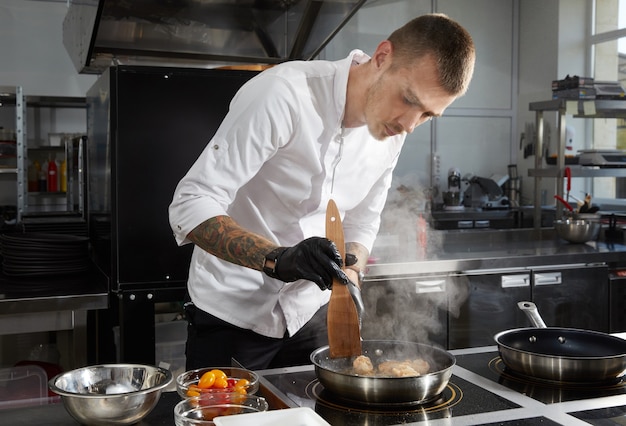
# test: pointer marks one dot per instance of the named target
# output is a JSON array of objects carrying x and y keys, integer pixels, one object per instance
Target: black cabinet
[
  {"x": 572, "y": 296},
  {"x": 408, "y": 308},
  {"x": 575, "y": 296},
  {"x": 490, "y": 306},
  {"x": 146, "y": 127}
]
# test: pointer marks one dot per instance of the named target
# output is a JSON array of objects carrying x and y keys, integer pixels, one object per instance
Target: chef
[{"x": 254, "y": 202}]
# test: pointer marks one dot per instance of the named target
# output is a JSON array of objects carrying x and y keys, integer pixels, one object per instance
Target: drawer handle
[
  {"x": 430, "y": 286},
  {"x": 549, "y": 278},
  {"x": 519, "y": 280}
]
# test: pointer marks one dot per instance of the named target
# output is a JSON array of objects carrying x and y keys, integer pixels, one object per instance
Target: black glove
[{"x": 315, "y": 259}]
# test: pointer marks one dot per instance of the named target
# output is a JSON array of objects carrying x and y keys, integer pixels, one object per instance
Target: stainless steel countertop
[{"x": 459, "y": 250}]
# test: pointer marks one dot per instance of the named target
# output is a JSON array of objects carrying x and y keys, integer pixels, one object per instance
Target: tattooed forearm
[{"x": 224, "y": 238}]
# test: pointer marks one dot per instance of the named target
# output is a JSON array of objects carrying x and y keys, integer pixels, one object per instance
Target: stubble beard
[{"x": 373, "y": 96}]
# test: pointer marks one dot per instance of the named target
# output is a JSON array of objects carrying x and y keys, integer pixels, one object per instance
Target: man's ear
[{"x": 383, "y": 53}]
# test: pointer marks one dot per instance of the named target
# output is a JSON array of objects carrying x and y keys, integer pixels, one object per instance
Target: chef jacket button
[{"x": 216, "y": 147}]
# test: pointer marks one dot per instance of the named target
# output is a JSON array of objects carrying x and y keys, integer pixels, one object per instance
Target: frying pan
[
  {"x": 336, "y": 376},
  {"x": 561, "y": 354}
]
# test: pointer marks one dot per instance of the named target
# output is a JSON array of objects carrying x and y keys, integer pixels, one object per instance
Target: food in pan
[{"x": 363, "y": 366}]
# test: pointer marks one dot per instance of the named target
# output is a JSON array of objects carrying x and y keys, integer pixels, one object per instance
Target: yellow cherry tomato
[{"x": 207, "y": 380}]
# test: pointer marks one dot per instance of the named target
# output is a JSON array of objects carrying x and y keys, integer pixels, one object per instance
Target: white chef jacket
[{"x": 270, "y": 167}]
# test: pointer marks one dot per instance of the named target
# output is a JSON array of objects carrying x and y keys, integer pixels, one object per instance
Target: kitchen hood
[{"x": 199, "y": 33}]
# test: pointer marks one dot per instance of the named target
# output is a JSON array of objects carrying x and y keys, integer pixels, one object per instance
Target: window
[{"x": 608, "y": 63}]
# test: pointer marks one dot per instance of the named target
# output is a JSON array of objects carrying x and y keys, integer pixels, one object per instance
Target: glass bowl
[
  {"x": 190, "y": 379},
  {"x": 201, "y": 410}
]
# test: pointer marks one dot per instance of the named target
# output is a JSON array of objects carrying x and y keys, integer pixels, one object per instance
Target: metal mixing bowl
[
  {"x": 111, "y": 394},
  {"x": 577, "y": 230}
]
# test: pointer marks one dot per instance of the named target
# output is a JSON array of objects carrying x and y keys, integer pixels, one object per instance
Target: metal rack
[
  {"x": 14, "y": 96},
  {"x": 578, "y": 108}
]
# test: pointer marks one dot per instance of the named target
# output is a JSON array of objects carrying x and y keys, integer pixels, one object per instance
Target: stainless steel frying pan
[
  {"x": 336, "y": 376},
  {"x": 561, "y": 354}
]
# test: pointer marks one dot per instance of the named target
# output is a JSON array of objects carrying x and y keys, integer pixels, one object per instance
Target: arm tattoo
[{"x": 223, "y": 237}]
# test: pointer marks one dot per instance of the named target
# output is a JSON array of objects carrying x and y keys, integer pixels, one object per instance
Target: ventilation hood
[{"x": 200, "y": 33}]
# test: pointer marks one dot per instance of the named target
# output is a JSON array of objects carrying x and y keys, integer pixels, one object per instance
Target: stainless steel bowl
[
  {"x": 336, "y": 375},
  {"x": 111, "y": 394},
  {"x": 577, "y": 230}
]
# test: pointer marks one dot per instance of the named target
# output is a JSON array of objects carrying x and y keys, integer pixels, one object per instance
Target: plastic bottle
[
  {"x": 42, "y": 185},
  {"x": 63, "y": 178},
  {"x": 33, "y": 175},
  {"x": 52, "y": 176}
]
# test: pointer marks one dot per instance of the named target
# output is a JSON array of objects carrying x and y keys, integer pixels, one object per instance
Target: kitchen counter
[
  {"x": 460, "y": 250},
  {"x": 480, "y": 396},
  {"x": 52, "y": 303}
]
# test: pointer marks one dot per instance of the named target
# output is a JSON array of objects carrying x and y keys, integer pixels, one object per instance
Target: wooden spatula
[{"x": 344, "y": 334}]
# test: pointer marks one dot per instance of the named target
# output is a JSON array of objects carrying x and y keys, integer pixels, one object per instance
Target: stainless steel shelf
[
  {"x": 578, "y": 108},
  {"x": 603, "y": 108},
  {"x": 579, "y": 171},
  {"x": 8, "y": 170}
]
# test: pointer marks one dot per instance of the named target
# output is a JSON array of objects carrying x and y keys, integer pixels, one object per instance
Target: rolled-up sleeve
[{"x": 252, "y": 131}]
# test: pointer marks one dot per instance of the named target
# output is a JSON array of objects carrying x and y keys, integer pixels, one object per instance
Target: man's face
[{"x": 402, "y": 99}]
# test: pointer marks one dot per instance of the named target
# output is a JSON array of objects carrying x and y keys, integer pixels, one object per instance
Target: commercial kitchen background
[{"x": 522, "y": 46}]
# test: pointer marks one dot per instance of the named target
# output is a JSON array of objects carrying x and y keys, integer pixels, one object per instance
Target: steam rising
[{"x": 412, "y": 308}]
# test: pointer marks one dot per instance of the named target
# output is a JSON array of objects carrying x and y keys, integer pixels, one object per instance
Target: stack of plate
[{"x": 36, "y": 254}]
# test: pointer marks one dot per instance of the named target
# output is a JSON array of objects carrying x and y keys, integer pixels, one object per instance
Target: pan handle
[{"x": 530, "y": 309}]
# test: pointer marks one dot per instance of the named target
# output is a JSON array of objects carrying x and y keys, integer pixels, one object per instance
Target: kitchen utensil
[
  {"x": 577, "y": 230},
  {"x": 561, "y": 354},
  {"x": 586, "y": 204},
  {"x": 344, "y": 333},
  {"x": 568, "y": 185},
  {"x": 334, "y": 373},
  {"x": 565, "y": 203},
  {"x": 111, "y": 394}
]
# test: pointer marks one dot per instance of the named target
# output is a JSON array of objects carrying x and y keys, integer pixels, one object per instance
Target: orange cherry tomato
[
  {"x": 219, "y": 373},
  {"x": 220, "y": 383},
  {"x": 193, "y": 390},
  {"x": 242, "y": 383},
  {"x": 207, "y": 380}
]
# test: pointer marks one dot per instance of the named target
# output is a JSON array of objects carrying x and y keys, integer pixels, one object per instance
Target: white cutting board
[{"x": 302, "y": 416}]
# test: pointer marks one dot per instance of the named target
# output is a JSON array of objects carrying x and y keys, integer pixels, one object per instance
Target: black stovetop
[{"x": 480, "y": 391}]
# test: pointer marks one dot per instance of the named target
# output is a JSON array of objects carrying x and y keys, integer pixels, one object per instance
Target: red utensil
[{"x": 565, "y": 203}]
